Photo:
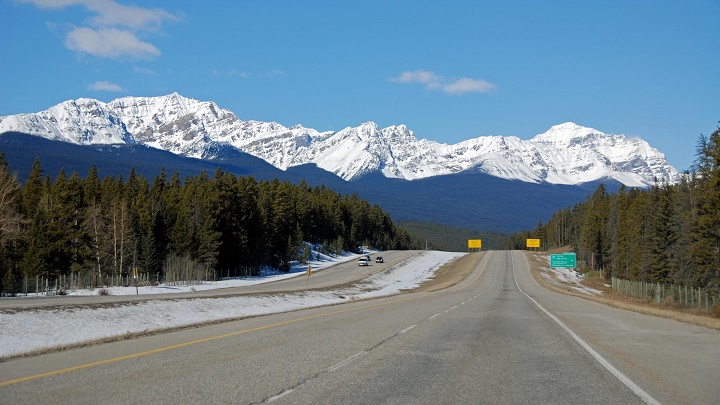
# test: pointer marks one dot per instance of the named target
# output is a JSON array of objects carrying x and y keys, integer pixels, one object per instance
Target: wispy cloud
[
  {"x": 246, "y": 75},
  {"x": 231, "y": 73},
  {"x": 114, "y": 28},
  {"x": 145, "y": 71},
  {"x": 453, "y": 87},
  {"x": 106, "y": 86},
  {"x": 109, "y": 43}
]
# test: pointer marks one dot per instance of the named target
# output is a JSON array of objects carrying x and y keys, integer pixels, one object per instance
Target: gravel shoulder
[
  {"x": 452, "y": 273},
  {"x": 613, "y": 299}
]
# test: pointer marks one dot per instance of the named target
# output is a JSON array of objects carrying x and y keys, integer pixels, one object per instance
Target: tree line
[
  {"x": 51, "y": 228},
  {"x": 668, "y": 233}
]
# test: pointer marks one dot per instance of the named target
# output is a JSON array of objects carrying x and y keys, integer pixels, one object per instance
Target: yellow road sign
[
  {"x": 474, "y": 243},
  {"x": 533, "y": 243}
]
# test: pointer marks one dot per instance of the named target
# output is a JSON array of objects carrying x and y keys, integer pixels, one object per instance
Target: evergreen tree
[
  {"x": 10, "y": 217},
  {"x": 32, "y": 190},
  {"x": 92, "y": 188},
  {"x": 593, "y": 239},
  {"x": 662, "y": 236},
  {"x": 11, "y": 226},
  {"x": 705, "y": 235}
]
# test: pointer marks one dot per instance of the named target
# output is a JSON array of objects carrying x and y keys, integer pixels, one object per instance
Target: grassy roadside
[
  {"x": 452, "y": 273},
  {"x": 616, "y": 300}
]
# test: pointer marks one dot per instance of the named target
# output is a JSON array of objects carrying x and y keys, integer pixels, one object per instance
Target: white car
[{"x": 363, "y": 262}]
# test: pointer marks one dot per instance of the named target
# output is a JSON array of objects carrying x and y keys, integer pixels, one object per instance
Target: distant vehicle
[
  {"x": 363, "y": 262},
  {"x": 368, "y": 258},
  {"x": 379, "y": 259}
]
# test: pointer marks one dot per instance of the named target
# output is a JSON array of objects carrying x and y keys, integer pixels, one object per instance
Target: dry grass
[
  {"x": 452, "y": 273},
  {"x": 616, "y": 300}
]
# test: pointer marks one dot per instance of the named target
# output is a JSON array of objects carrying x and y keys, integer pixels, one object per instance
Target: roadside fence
[
  {"x": 702, "y": 299},
  {"x": 62, "y": 284}
]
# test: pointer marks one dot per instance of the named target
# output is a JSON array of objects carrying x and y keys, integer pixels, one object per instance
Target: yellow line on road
[{"x": 211, "y": 338}]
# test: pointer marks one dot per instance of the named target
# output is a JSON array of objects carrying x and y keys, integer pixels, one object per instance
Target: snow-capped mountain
[{"x": 565, "y": 154}]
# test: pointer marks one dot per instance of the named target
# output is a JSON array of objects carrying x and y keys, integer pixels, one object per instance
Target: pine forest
[
  {"x": 225, "y": 225},
  {"x": 667, "y": 234}
]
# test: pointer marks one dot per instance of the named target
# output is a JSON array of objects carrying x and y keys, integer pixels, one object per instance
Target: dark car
[{"x": 379, "y": 259}]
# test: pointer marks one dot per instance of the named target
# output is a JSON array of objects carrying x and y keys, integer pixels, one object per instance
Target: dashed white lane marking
[{"x": 345, "y": 361}]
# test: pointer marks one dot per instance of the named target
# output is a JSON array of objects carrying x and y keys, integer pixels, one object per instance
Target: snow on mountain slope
[{"x": 565, "y": 154}]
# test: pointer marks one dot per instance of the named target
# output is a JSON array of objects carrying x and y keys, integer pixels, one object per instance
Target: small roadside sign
[
  {"x": 565, "y": 260},
  {"x": 474, "y": 243},
  {"x": 533, "y": 243}
]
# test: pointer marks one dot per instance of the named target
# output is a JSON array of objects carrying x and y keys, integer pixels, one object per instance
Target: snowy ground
[
  {"x": 563, "y": 277},
  {"x": 34, "y": 330}
]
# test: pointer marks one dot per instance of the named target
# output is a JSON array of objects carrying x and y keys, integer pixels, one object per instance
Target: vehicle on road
[
  {"x": 363, "y": 262},
  {"x": 379, "y": 259}
]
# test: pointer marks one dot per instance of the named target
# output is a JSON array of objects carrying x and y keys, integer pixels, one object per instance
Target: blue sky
[{"x": 449, "y": 70}]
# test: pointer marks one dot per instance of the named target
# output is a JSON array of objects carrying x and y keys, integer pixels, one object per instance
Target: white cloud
[
  {"x": 467, "y": 85},
  {"x": 453, "y": 87},
  {"x": 109, "y": 43},
  {"x": 110, "y": 13},
  {"x": 114, "y": 28},
  {"x": 106, "y": 86},
  {"x": 417, "y": 76}
]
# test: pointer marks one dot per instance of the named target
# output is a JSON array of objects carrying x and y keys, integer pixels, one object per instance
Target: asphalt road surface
[
  {"x": 481, "y": 341},
  {"x": 325, "y": 277}
]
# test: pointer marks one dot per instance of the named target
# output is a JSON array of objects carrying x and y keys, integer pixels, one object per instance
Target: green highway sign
[{"x": 563, "y": 260}]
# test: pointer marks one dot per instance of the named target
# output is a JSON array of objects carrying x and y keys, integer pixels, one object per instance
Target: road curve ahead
[{"x": 482, "y": 341}]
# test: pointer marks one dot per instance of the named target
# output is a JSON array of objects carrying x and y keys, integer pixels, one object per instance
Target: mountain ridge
[
  {"x": 565, "y": 154},
  {"x": 490, "y": 204}
]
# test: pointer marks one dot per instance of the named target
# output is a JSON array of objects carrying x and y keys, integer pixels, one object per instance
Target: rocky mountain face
[{"x": 566, "y": 154}]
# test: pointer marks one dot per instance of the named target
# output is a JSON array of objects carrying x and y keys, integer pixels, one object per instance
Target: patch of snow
[
  {"x": 564, "y": 277},
  {"x": 32, "y": 330}
]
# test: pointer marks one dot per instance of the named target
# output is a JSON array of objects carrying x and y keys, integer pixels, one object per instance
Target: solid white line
[{"x": 647, "y": 398}]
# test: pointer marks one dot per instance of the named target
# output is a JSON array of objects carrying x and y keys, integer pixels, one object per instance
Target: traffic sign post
[
  {"x": 307, "y": 282},
  {"x": 474, "y": 244},
  {"x": 565, "y": 260},
  {"x": 533, "y": 243}
]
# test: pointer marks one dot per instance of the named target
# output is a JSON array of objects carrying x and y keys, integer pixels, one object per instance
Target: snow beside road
[
  {"x": 565, "y": 277},
  {"x": 28, "y": 331}
]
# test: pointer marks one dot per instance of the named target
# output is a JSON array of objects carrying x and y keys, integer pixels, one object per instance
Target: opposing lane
[
  {"x": 482, "y": 341},
  {"x": 326, "y": 277}
]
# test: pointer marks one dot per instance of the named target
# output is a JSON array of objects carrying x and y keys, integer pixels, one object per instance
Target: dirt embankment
[
  {"x": 452, "y": 273},
  {"x": 614, "y": 299}
]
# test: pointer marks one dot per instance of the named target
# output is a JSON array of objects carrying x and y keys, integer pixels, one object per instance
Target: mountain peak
[{"x": 565, "y": 154}]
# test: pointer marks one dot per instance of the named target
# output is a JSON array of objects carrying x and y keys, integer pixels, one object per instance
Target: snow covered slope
[{"x": 565, "y": 154}]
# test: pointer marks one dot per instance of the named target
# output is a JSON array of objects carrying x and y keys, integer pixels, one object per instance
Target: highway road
[
  {"x": 496, "y": 338},
  {"x": 325, "y": 277}
]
